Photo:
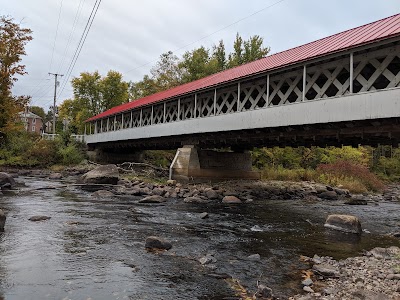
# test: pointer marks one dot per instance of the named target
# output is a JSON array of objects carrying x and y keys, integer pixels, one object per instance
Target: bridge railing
[
  {"x": 52, "y": 137},
  {"x": 373, "y": 67}
]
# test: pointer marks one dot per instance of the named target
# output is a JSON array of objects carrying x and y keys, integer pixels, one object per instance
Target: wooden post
[
  {"x": 238, "y": 98},
  {"x": 304, "y": 83},
  {"x": 215, "y": 102},
  {"x": 267, "y": 90},
  {"x": 195, "y": 105},
  {"x": 351, "y": 72}
]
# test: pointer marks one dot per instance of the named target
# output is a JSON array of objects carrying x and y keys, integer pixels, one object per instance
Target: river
[{"x": 94, "y": 248}]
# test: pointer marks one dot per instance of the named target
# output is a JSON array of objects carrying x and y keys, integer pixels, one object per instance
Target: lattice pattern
[
  {"x": 205, "y": 104},
  {"x": 127, "y": 120},
  {"x": 146, "y": 116},
  {"x": 158, "y": 114},
  {"x": 136, "y": 119},
  {"x": 253, "y": 94},
  {"x": 226, "y": 100},
  {"x": 373, "y": 69},
  {"x": 328, "y": 80},
  {"x": 286, "y": 88},
  {"x": 377, "y": 70},
  {"x": 171, "y": 111},
  {"x": 187, "y": 108}
]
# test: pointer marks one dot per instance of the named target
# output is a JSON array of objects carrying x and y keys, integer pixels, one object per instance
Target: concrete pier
[{"x": 191, "y": 163}]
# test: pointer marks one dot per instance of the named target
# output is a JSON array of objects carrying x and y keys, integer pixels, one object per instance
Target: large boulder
[
  {"x": 2, "y": 220},
  {"x": 106, "y": 174},
  {"x": 344, "y": 223},
  {"x": 6, "y": 180}
]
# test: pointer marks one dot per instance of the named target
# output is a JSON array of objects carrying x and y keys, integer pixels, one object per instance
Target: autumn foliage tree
[{"x": 13, "y": 39}]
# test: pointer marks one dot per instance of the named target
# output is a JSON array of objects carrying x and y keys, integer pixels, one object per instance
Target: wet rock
[
  {"x": 357, "y": 200},
  {"x": 6, "y": 181},
  {"x": 39, "y": 218},
  {"x": 102, "y": 194},
  {"x": 153, "y": 199},
  {"x": 231, "y": 200},
  {"x": 264, "y": 292},
  {"x": 145, "y": 191},
  {"x": 154, "y": 242},
  {"x": 55, "y": 176},
  {"x": 106, "y": 174},
  {"x": 326, "y": 270},
  {"x": 195, "y": 200},
  {"x": 328, "y": 195},
  {"x": 204, "y": 215},
  {"x": 2, "y": 220},
  {"x": 344, "y": 223},
  {"x": 254, "y": 257},
  {"x": 208, "y": 259},
  {"x": 211, "y": 194},
  {"x": 219, "y": 275},
  {"x": 158, "y": 191}
]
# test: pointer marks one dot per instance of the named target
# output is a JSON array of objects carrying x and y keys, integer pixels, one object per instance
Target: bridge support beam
[
  {"x": 101, "y": 156},
  {"x": 192, "y": 164}
]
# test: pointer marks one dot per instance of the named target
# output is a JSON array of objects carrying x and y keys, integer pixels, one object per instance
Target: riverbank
[{"x": 272, "y": 226}]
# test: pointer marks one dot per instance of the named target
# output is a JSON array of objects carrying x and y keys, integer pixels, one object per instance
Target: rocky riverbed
[{"x": 238, "y": 238}]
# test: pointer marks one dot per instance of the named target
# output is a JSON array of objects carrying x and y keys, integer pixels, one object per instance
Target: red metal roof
[{"x": 372, "y": 32}]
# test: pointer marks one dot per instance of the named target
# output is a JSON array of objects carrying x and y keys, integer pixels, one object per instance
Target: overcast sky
[{"x": 129, "y": 36}]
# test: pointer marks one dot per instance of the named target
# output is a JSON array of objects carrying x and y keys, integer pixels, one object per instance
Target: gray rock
[
  {"x": 55, "y": 176},
  {"x": 231, "y": 200},
  {"x": 326, "y": 270},
  {"x": 208, "y": 259},
  {"x": 2, "y": 220},
  {"x": 6, "y": 180},
  {"x": 158, "y": 191},
  {"x": 106, "y": 174},
  {"x": 308, "y": 289},
  {"x": 307, "y": 282},
  {"x": 154, "y": 242},
  {"x": 264, "y": 292},
  {"x": 153, "y": 199},
  {"x": 39, "y": 218},
  {"x": 102, "y": 194},
  {"x": 195, "y": 200},
  {"x": 357, "y": 200},
  {"x": 344, "y": 223},
  {"x": 328, "y": 195},
  {"x": 211, "y": 194},
  {"x": 254, "y": 257},
  {"x": 204, "y": 215}
]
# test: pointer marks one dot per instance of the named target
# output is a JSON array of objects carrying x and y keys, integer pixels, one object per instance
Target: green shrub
[{"x": 70, "y": 155}]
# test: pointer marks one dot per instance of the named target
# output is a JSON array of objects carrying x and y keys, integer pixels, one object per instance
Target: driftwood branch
[{"x": 132, "y": 164}]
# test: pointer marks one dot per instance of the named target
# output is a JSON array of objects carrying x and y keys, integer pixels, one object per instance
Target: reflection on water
[{"x": 94, "y": 248}]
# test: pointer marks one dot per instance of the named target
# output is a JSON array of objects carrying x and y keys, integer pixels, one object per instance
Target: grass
[{"x": 355, "y": 178}]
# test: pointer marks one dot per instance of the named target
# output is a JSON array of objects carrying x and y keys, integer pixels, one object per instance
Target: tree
[
  {"x": 93, "y": 94},
  {"x": 197, "y": 64},
  {"x": 247, "y": 51},
  {"x": 13, "y": 39},
  {"x": 166, "y": 72},
  {"x": 219, "y": 55},
  {"x": 39, "y": 111}
]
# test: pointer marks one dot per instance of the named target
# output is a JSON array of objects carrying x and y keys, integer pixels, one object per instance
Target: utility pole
[{"x": 55, "y": 95}]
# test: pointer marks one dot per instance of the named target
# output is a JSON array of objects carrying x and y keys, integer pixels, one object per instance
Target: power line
[
  {"x": 77, "y": 15},
  {"x": 55, "y": 37},
  {"x": 208, "y": 35},
  {"x": 81, "y": 43}
]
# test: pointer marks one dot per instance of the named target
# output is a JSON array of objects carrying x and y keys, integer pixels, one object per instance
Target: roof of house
[
  {"x": 29, "y": 115},
  {"x": 362, "y": 35}
]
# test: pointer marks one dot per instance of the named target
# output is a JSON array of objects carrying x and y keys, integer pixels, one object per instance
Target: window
[
  {"x": 34, "y": 121},
  {"x": 33, "y": 128}
]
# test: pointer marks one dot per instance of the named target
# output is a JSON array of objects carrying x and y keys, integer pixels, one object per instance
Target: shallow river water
[{"x": 94, "y": 248}]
